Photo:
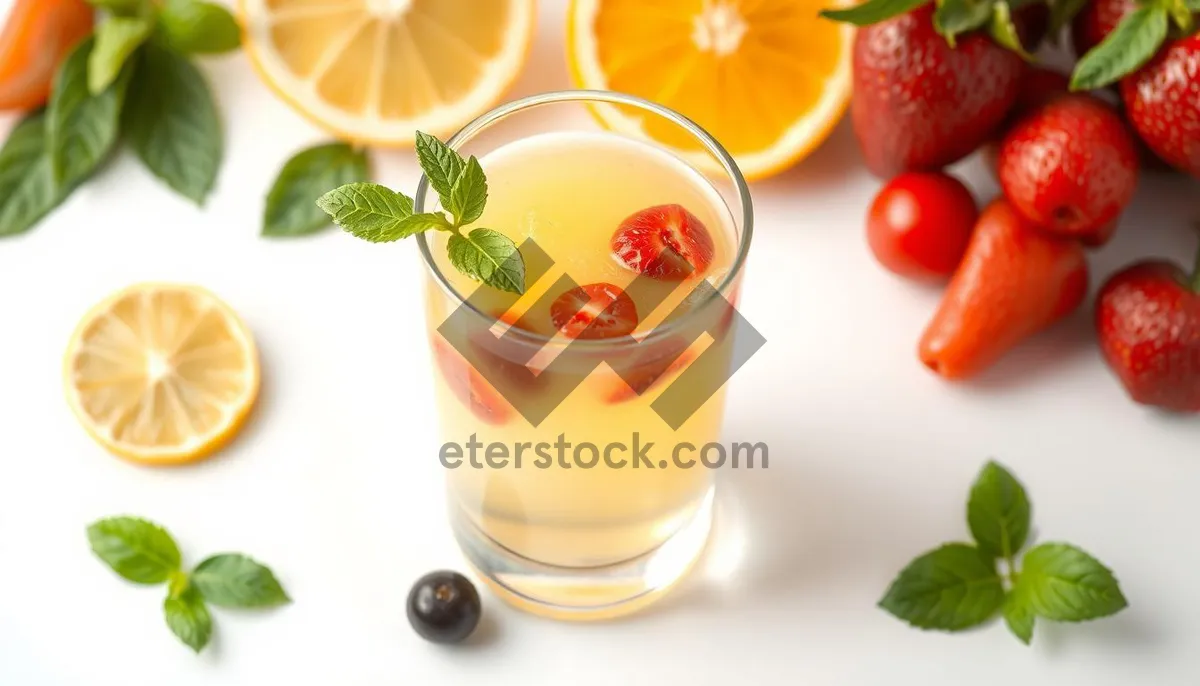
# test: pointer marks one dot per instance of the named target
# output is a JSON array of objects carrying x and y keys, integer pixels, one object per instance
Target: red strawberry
[
  {"x": 1039, "y": 85},
  {"x": 920, "y": 104},
  {"x": 1096, "y": 20},
  {"x": 1148, "y": 319},
  {"x": 665, "y": 242},
  {"x": 469, "y": 386},
  {"x": 1070, "y": 166},
  {"x": 597, "y": 310},
  {"x": 1162, "y": 102}
]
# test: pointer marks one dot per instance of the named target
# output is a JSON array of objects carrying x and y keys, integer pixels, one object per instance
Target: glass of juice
[{"x": 574, "y": 415}]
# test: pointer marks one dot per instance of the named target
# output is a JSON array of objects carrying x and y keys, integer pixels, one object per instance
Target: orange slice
[{"x": 767, "y": 78}]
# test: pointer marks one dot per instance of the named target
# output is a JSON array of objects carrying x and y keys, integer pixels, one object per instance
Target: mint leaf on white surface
[
  {"x": 1019, "y": 618},
  {"x": 952, "y": 588},
  {"x": 289, "y": 208},
  {"x": 233, "y": 580},
  {"x": 1063, "y": 583},
  {"x": 172, "y": 123},
  {"x": 138, "y": 550},
  {"x": 188, "y": 618},
  {"x": 83, "y": 127},
  {"x": 116, "y": 40},
  {"x": 198, "y": 27},
  {"x": 998, "y": 512},
  {"x": 490, "y": 257},
  {"x": 27, "y": 187}
]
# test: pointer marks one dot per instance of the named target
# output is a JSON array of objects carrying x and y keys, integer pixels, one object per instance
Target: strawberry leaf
[
  {"x": 1004, "y": 30},
  {"x": 873, "y": 11},
  {"x": 1124, "y": 51},
  {"x": 959, "y": 16}
]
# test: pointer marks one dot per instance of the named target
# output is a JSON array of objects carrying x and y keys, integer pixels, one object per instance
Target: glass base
[{"x": 585, "y": 593}]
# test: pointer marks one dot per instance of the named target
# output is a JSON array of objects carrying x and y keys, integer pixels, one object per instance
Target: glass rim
[{"x": 588, "y": 97}]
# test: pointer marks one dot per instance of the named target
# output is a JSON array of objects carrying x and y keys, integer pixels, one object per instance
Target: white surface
[{"x": 334, "y": 482}]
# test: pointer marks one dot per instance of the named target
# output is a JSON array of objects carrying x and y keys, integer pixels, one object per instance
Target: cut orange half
[
  {"x": 162, "y": 374},
  {"x": 377, "y": 71},
  {"x": 767, "y": 78}
]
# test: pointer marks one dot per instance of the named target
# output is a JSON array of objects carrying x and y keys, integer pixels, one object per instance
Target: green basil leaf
[
  {"x": 237, "y": 581},
  {"x": 290, "y": 210},
  {"x": 369, "y": 211},
  {"x": 1004, "y": 30},
  {"x": 138, "y": 550},
  {"x": 27, "y": 188},
  {"x": 116, "y": 40},
  {"x": 1019, "y": 618},
  {"x": 469, "y": 195},
  {"x": 1125, "y": 50},
  {"x": 952, "y": 588},
  {"x": 998, "y": 512},
  {"x": 83, "y": 127},
  {"x": 1063, "y": 583},
  {"x": 954, "y": 17},
  {"x": 172, "y": 123},
  {"x": 442, "y": 166},
  {"x": 195, "y": 26},
  {"x": 873, "y": 11},
  {"x": 188, "y": 618},
  {"x": 489, "y": 257}
]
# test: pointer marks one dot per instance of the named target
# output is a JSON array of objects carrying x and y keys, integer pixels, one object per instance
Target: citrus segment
[
  {"x": 161, "y": 374},
  {"x": 768, "y": 78}
]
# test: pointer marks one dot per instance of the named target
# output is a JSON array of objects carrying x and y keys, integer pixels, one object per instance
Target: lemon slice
[
  {"x": 767, "y": 78},
  {"x": 377, "y": 71},
  {"x": 161, "y": 374}
]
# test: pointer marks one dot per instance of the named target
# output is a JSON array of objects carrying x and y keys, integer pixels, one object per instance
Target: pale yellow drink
[{"x": 570, "y": 192}]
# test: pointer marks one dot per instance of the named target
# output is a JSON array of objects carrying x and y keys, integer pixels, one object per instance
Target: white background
[{"x": 334, "y": 484}]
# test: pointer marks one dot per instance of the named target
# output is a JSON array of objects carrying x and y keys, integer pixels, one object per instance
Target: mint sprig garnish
[
  {"x": 378, "y": 214},
  {"x": 144, "y": 553},
  {"x": 1133, "y": 42},
  {"x": 962, "y": 585}
]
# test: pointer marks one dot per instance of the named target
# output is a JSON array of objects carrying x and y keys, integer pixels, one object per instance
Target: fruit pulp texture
[{"x": 570, "y": 193}]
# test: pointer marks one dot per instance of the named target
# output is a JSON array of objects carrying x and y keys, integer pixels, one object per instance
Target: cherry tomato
[
  {"x": 36, "y": 38},
  {"x": 920, "y": 223}
]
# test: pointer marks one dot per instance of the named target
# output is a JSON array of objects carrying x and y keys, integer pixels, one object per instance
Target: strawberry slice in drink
[
  {"x": 665, "y": 242},
  {"x": 469, "y": 386},
  {"x": 650, "y": 370},
  {"x": 597, "y": 310}
]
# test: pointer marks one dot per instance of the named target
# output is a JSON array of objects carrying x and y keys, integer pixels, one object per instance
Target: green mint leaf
[
  {"x": 83, "y": 127},
  {"x": 1063, "y": 583},
  {"x": 998, "y": 512},
  {"x": 27, "y": 188},
  {"x": 952, "y": 588},
  {"x": 138, "y": 550},
  {"x": 442, "y": 166},
  {"x": 290, "y": 210},
  {"x": 489, "y": 257},
  {"x": 469, "y": 194},
  {"x": 954, "y": 17},
  {"x": 237, "y": 581},
  {"x": 172, "y": 123},
  {"x": 1004, "y": 30},
  {"x": 116, "y": 40},
  {"x": 188, "y": 618},
  {"x": 1127, "y": 48},
  {"x": 1019, "y": 618},
  {"x": 198, "y": 27},
  {"x": 873, "y": 11},
  {"x": 122, "y": 8},
  {"x": 370, "y": 211}
]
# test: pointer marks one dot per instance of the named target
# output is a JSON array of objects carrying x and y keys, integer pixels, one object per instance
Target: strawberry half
[
  {"x": 597, "y": 310},
  {"x": 665, "y": 242},
  {"x": 469, "y": 386}
]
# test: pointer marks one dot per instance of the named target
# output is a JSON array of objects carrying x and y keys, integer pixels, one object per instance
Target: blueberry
[{"x": 444, "y": 607}]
